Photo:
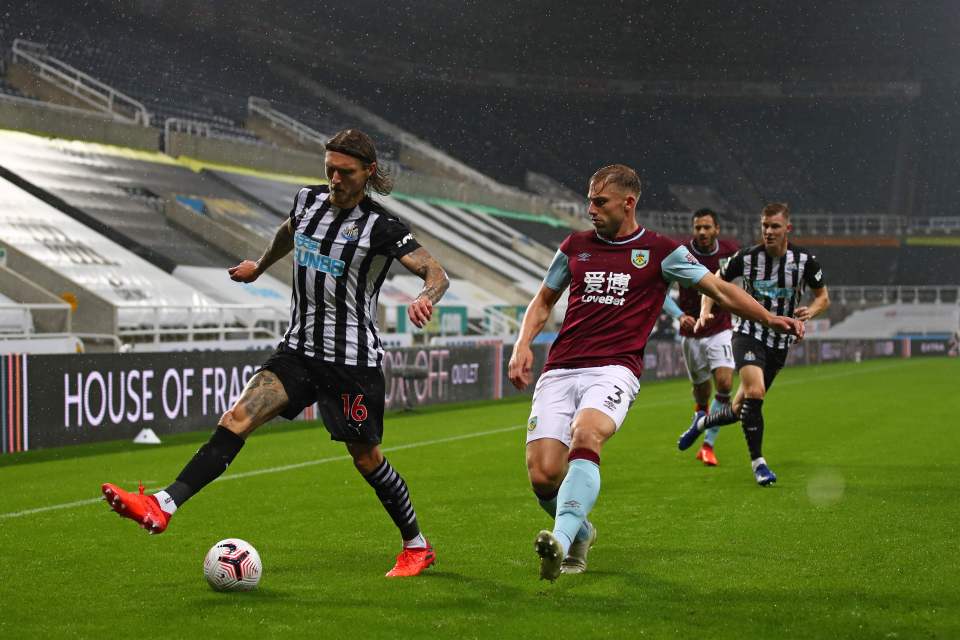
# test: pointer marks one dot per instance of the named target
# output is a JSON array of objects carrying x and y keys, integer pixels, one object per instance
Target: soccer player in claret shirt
[
  {"x": 618, "y": 274},
  {"x": 775, "y": 273},
  {"x": 706, "y": 349},
  {"x": 344, "y": 242}
]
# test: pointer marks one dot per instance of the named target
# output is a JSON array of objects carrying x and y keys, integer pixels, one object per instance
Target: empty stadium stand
[
  {"x": 900, "y": 319},
  {"x": 122, "y": 196},
  {"x": 114, "y": 288}
]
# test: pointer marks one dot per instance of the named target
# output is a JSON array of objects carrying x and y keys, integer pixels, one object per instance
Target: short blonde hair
[
  {"x": 776, "y": 208},
  {"x": 617, "y": 174}
]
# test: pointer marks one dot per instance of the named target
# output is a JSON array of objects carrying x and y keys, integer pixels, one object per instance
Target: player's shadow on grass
[
  {"x": 231, "y": 598},
  {"x": 477, "y": 585}
]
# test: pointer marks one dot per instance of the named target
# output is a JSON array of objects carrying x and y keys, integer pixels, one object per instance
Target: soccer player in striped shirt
[
  {"x": 618, "y": 274},
  {"x": 706, "y": 350},
  {"x": 775, "y": 273},
  {"x": 344, "y": 242}
]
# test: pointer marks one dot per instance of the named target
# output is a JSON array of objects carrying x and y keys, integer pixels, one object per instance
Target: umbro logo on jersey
[{"x": 583, "y": 257}]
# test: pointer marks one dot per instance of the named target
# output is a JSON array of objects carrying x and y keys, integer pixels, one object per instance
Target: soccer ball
[{"x": 232, "y": 565}]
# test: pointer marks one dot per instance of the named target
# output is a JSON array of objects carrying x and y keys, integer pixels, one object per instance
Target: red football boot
[
  {"x": 411, "y": 562},
  {"x": 707, "y": 456},
  {"x": 142, "y": 509}
]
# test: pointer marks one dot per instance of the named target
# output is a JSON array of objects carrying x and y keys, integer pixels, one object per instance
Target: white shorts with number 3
[
  {"x": 561, "y": 393},
  {"x": 703, "y": 355}
]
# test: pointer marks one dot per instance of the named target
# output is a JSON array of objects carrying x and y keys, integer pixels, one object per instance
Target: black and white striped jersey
[
  {"x": 776, "y": 283},
  {"x": 340, "y": 260}
]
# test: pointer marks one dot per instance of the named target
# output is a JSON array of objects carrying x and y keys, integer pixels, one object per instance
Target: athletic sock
[
  {"x": 756, "y": 463},
  {"x": 719, "y": 401},
  {"x": 393, "y": 494},
  {"x": 751, "y": 415},
  {"x": 166, "y": 502},
  {"x": 416, "y": 543},
  {"x": 577, "y": 495},
  {"x": 548, "y": 502},
  {"x": 207, "y": 464},
  {"x": 724, "y": 415}
]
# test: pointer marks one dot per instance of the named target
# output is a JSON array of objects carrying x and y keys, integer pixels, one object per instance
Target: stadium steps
[
  {"x": 889, "y": 321},
  {"x": 90, "y": 221}
]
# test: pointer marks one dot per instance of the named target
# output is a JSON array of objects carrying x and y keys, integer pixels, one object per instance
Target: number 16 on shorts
[{"x": 353, "y": 407}]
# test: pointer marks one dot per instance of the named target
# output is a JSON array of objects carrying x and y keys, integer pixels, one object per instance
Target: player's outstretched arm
[
  {"x": 706, "y": 311},
  {"x": 435, "y": 284},
  {"x": 538, "y": 312},
  {"x": 821, "y": 302},
  {"x": 739, "y": 302},
  {"x": 282, "y": 243}
]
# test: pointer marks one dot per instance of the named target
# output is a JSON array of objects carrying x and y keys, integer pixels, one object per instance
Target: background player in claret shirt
[
  {"x": 706, "y": 350},
  {"x": 618, "y": 274},
  {"x": 344, "y": 243},
  {"x": 775, "y": 273}
]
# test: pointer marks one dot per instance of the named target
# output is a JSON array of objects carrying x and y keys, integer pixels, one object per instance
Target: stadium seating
[
  {"x": 117, "y": 289},
  {"x": 123, "y": 195},
  {"x": 14, "y": 320},
  {"x": 889, "y": 321}
]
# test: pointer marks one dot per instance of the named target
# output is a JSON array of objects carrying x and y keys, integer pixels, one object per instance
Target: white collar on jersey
[
  {"x": 630, "y": 239},
  {"x": 693, "y": 248}
]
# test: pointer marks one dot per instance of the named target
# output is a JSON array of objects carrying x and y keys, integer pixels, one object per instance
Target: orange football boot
[
  {"x": 142, "y": 509},
  {"x": 411, "y": 562},
  {"x": 707, "y": 456}
]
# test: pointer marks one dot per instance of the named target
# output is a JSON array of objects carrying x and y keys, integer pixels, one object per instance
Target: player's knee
[
  {"x": 545, "y": 478},
  {"x": 366, "y": 458},
  {"x": 237, "y": 421},
  {"x": 755, "y": 393},
  {"x": 585, "y": 437}
]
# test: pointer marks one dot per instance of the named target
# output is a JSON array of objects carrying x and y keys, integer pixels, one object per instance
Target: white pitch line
[
  {"x": 286, "y": 467},
  {"x": 412, "y": 445}
]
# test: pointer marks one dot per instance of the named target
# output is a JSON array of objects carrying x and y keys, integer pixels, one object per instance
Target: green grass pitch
[{"x": 858, "y": 539}]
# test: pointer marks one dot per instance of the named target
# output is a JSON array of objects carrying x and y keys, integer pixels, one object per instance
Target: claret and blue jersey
[{"x": 616, "y": 293}]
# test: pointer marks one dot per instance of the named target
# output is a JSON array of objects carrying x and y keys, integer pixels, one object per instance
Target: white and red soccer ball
[{"x": 232, "y": 565}]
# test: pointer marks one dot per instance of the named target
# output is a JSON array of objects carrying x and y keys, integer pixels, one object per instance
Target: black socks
[
  {"x": 751, "y": 417},
  {"x": 393, "y": 494},
  {"x": 724, "y": 416},
  {"x": 207, "y": 465}
]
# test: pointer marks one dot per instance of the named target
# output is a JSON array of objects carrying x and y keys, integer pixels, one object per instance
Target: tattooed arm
[
  {"x": 282, "y": 243},
  {"x": 435, "y": 284}
]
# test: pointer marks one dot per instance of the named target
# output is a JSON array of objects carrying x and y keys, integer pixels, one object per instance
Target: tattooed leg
[{"x": 262, "y": 399}]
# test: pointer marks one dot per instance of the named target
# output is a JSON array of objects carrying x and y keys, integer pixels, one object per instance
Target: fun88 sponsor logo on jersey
[{"x": 307, "y": 254}]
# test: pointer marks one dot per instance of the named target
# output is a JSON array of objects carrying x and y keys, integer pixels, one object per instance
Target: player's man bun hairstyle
[
  {"x": 617, "y": 174},
  {"x": 706, "y": 211},
  {"x": 776, "y": 208},
  {"x": 357, "y": 144}
]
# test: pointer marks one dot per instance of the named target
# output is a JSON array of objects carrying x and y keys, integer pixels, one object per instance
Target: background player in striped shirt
[
  {"x": 618, "y": 274},
  {"x": 775, "y": 273},
  {"x": 706, "y": 349},
  {"x": 343, "y": 243}
]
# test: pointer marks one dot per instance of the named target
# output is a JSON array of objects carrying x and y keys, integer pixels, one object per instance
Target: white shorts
[
  {"x": 703, "y": 355},
  {"x": 561, "y": 393}
]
